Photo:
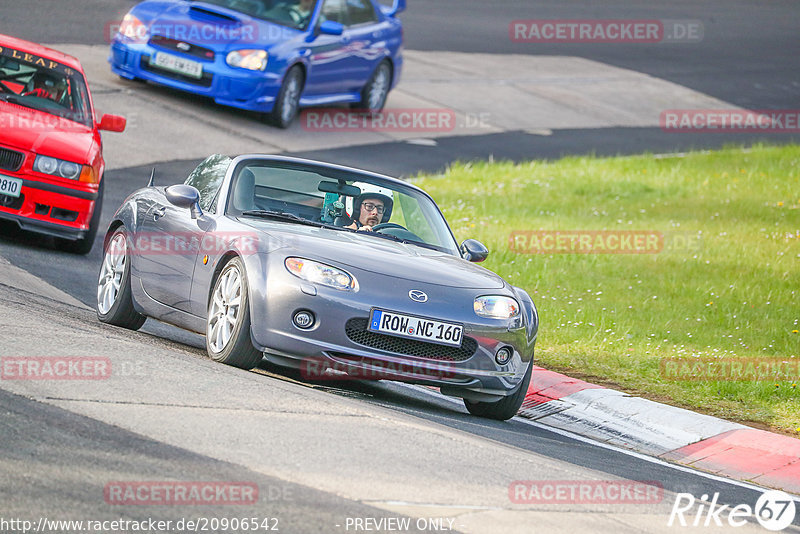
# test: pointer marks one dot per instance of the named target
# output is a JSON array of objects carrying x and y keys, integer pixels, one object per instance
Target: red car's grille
[
  {"x": 10, "y": 160},
  {"x": 356, "y": 330}
]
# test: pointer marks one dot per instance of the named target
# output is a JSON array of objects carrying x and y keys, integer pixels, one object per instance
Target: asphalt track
[{"x": 749, "y": 57}]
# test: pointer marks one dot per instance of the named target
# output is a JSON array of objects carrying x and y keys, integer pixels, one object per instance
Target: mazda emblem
[{"x": 417, "y": 296}]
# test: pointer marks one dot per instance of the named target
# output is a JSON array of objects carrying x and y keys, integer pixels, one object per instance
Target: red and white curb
[{"x": 674, "y": 434}]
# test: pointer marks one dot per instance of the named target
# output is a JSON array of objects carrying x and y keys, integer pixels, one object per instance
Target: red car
[{"x": 51, "y": 152}]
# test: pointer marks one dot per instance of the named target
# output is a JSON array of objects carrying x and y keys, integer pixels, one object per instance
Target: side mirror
[
  {"x": 474, "y": 251},
  {"x": 112, "y": 123},
  {"x": 331, "y": 28},
  {"x": 397, "y": 7},
  {"x": 185, "y": 196}
]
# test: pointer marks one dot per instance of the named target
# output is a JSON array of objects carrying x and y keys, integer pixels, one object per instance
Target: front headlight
[
  {"x": 63, "y": 169},
  {"x": 133, "y": 29},
  {"x": 319, "y": 273},
  {"x": 496, "y": 307},
  {"x": 248, "y": 59}
]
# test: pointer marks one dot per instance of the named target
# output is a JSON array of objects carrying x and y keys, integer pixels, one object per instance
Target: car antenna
[{"x": 152, "y": 175}]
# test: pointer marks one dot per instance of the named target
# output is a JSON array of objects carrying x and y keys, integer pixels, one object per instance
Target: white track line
[{"x": 578, "y": 437}]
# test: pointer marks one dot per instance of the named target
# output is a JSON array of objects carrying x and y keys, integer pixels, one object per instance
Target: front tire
[
  {"x": 505, "y": 408},
  {"x": 114, "y": 298},
  {"x": 228, "y": 322},
  {"x": 287, "y": 103}
]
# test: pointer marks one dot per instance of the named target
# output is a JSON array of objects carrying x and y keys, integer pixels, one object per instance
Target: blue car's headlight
[
  {"x": 57, "y": 167},
  {"x": 496, "y": 307},
  {"x": 248, "y": 59},
  {"x": 320, "y": 273}
]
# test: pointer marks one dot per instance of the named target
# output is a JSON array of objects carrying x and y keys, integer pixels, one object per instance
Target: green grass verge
[{"x": 732, "y": 292}]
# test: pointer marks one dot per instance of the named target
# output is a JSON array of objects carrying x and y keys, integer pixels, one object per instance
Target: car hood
[
  {"x": 213, "y": 26},
  {"x": 36, "y": 131},
  {"x": 354, "y": 252}
]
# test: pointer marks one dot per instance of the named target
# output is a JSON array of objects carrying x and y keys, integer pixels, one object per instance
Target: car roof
[{"x": 42, "y": 51}]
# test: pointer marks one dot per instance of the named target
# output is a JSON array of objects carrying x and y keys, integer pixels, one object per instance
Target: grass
[{"x": 732, "y": 293}]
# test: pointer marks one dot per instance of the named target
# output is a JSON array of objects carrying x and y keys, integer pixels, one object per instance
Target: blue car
[{"x": 269, "y": 56}]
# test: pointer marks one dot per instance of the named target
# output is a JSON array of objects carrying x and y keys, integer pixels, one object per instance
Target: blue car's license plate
[{"x": 413, "y": 327}]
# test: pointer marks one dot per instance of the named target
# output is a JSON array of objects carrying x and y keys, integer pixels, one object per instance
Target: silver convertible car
[{"x": 327, "y": 269}]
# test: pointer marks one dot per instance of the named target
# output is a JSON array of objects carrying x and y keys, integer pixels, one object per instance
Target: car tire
[
  {"x": 505, "y": 408},
  {"x": 287, "y": 103},
  {"x": 234, "y": 347},
  {"x": 114, "y": 303},
  {"x": 84, "y": 245},
  {"x": 376, "y": 90}
]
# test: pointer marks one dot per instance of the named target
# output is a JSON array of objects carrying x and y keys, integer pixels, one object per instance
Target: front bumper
[
  {"x": 339, "y": 339},
  {"x": 255, "y": 91},
  {"x": 49, "y": 209}
]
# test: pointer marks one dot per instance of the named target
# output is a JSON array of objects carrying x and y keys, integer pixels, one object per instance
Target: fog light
[
  {"x": 503, "y": 356},
  {"x": 303, "y": 319}
]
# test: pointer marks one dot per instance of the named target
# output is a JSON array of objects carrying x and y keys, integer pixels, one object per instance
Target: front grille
[
  {"x": 175, "y": 45},
  {"x": 205, "y": 81},
  {"x": 10, "y": 160},
  {"x": 356, "y": 330}
]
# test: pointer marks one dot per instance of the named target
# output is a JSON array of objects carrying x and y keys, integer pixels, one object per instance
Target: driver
[
  {"x": 370, "y": 209},
  {"x": 46, "y": 86},
  {"x": 301, "y": 11}
]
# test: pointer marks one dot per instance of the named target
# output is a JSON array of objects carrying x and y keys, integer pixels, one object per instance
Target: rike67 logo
[{"x": 774, "y": 510}]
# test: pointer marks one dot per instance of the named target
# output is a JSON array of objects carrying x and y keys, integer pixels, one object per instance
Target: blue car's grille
[
  {"x": 182, "y": 47},
  {"x": 205, "y": 81},
  {"x": 356, "y": 330},
  {"x": 10, "y": 160}
]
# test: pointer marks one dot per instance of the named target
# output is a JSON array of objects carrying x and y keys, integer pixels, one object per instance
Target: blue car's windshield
[
  {"x": 292, "y": 13},
  {"x": 361, "y": 203}
]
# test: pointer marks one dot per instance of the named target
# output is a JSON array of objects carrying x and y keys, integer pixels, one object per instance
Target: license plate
[
  {"x": 10, "y": 186},
  {"x": 412, "y": 327},
  {"x": 178, "y": 64}
]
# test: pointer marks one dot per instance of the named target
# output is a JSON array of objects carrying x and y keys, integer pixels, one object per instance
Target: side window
[
  {"x": 332, "y": 10},
  {"x": 207, "y": 178},
  {"x": 361, "y": 12}
]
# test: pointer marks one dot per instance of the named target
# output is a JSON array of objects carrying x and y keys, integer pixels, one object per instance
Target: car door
[
  {"x": 169, "y": 240},
  {"x": 366, "y": 39},
  {"x": 332, "y": 66}
]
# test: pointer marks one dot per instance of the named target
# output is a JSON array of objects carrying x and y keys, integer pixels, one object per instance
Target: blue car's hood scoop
[{"x": 215, "y": 27}]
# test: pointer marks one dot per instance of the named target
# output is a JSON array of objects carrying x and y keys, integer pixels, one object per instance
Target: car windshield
[
  {"x": 43, "y": 84},
  {"x": 292, "y": 13},
  {"x": 374, "y": 207}
]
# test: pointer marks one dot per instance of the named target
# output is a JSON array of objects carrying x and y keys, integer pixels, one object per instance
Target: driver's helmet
[{"x": 370, "y": 191}]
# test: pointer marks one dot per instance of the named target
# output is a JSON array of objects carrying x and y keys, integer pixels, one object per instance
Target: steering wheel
[{"x": 384, "y": 226}]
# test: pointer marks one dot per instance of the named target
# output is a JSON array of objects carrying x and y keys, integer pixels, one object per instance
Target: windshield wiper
[
  {"x": 286, "y": 216},
  {"x": 400, "y": 240},
  {"x": 15, "y": 99}
]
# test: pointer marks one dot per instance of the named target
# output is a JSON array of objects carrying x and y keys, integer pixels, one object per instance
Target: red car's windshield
[{"x": 43, "y": 84}]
